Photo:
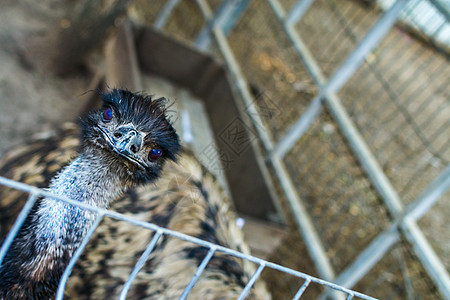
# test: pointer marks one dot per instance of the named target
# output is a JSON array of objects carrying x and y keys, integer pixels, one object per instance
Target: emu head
[{"x": 132, "y": 134}]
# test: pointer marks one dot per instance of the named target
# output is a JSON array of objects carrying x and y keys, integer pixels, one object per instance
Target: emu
[
  {"x": 185, "y": 198},
  {"x": 124, "y": 145}
]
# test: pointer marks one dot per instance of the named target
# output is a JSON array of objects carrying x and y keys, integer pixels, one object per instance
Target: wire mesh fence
[
  {"x": 354, "y": 100},
  {"x": 400, "y": 104},
  {"x": 35, "y": 193},
  {"x": 340, "y": 196}
]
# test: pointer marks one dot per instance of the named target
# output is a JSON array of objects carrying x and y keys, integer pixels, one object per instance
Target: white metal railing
[{"x": 34, "y": 193}]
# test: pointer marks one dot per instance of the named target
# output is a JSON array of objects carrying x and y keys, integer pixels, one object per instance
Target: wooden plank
[
  {"x": 208, "y": 80},
  {"x": 263, "y": 237}
]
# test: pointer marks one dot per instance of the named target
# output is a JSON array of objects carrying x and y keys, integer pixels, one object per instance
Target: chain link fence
[{"x": 350, "y": 100}]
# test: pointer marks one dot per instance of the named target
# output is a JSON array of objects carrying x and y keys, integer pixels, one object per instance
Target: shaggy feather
[
  {"x": 186, "y": 198},
  {"x": 101, "y": 172}
]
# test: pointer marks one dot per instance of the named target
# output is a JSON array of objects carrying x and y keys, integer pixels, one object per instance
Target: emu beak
[{"x": 127, "y": 141}]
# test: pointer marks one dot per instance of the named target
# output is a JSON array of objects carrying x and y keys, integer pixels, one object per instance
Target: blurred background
[{"x": 327, "y": 121}]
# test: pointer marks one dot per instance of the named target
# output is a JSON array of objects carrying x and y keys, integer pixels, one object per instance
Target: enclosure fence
[
  {"x": 361, "y": 153},
  {"x": 34, "y": 193}
]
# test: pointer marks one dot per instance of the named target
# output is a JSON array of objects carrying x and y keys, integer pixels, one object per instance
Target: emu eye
[
  {"x": 107, "y": 115},
  {"x": 155, "y": 153}
]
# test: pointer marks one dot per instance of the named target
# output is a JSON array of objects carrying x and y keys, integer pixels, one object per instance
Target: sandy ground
[{"x": 31, "y": 101}]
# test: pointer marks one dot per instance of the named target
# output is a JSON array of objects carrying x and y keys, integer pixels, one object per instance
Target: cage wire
[
  {"x": 354, "y": 94},
  {"x": 336, "y": 192},
  {"x": 35, "y": 193}
]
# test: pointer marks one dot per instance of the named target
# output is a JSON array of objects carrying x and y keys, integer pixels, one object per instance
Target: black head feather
[{"x": 141, "y": 114}]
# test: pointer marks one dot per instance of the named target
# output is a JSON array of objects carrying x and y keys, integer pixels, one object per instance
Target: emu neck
[
  {"x": 88, "y": 179},
  {"x": 55, "y": 229}
]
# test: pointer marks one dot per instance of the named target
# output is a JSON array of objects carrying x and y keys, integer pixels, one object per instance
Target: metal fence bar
[
  {"x": 427, "y": 256},
  {"x": 140, "y": 264},
  {"x": 251, "y": 282},
  {"x": 298, "y": 129},
  {"x": 164, "y": 15},
  {"x": 315, "y": 247},
  {"x": 197, "y": 274},
  {"x": 430, "y": 195},
  {"x": 239, "y": 8},
  {"x": 76, "y": 255},
  {"x": 203, "y": 39},
  {"x": 365, "y": 156},
  {"x": 385, "y": 240},
  {"x": 373, "y": 253},
  {"x": 347, "y": 68},
  {"x": 441, "y": 9},
  {"x": 302, "y": 289},
  {"x": 364, "y": 47},
  {"x": 298, "y": 11},
  {"x": 226, "y": 17},
  {"x": 205, "y": 10},
  {"x": 241, "y": 84},
  {"x": 119, "y": 216},
  {"x": 18, "y": 223},
  {"x": 299, "y": 46}
]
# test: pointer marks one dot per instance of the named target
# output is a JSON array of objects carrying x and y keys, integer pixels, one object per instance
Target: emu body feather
[{"x": 186, "y": 198}]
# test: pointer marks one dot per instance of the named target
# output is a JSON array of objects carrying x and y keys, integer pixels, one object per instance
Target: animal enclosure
[{"x": 345, "y": 104}]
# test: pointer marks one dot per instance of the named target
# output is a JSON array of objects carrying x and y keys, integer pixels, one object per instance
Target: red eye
[
  {"x": 107, "y": 115},
  {"x": 155, "y": 153}
]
